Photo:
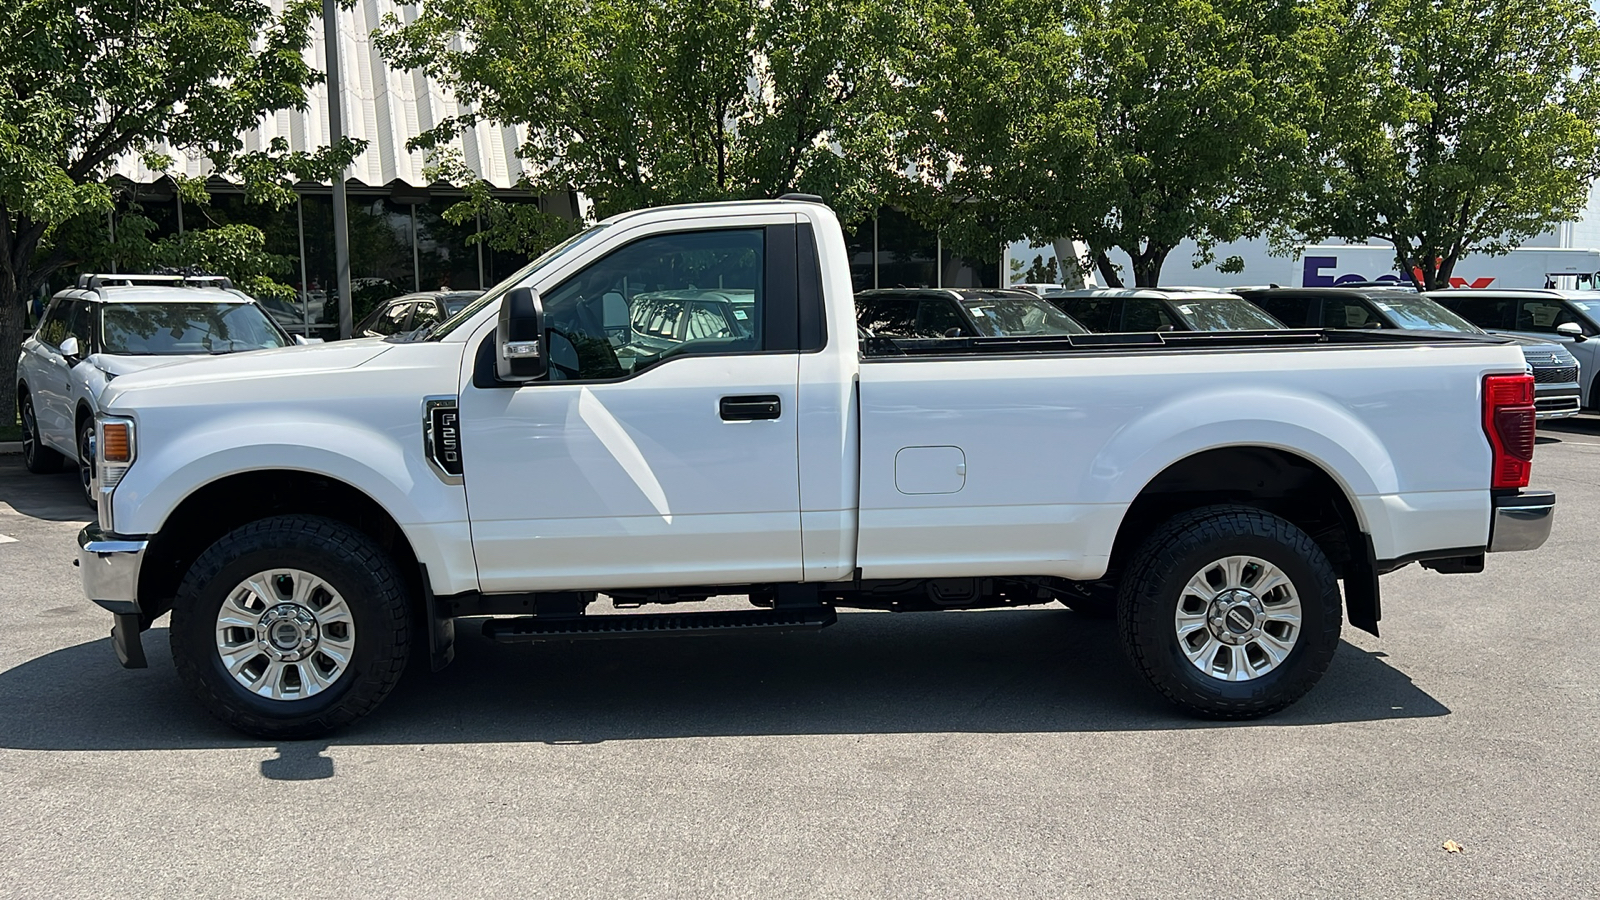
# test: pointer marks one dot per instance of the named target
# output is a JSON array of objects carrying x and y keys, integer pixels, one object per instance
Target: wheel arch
[
  {"x": 214, "y": 509},
  {"x": 1285, "y": 483}
]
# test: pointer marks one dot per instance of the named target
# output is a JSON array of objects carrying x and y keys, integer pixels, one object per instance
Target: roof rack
[{"x": 96, "y": 282}]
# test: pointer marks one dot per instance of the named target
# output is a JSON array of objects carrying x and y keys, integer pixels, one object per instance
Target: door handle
[{"x": 749, "y": 409}]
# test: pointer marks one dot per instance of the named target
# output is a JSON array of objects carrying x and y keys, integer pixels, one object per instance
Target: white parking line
[{"x": 7, "y": 539}]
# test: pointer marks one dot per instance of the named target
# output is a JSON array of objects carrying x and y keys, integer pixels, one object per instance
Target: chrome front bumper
[
  {"x": 1521, "y": 521},
  {"x": 110, "y": 565}
]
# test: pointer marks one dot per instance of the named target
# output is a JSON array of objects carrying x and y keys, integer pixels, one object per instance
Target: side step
[{"x": 584, "y": 628}]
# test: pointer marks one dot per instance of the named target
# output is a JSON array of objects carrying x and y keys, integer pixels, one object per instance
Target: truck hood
[{"x": 254, "y": 364}]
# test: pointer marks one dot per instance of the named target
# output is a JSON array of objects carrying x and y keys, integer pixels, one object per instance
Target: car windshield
[
  {"x": 1590, "y": 308},
  {"x": 190, "y": 328},
  {"x": 1223, "y": 314},
  {"x": 1422, "y": 314},
  {"x": 1005, "y": 316},
  {"x": 521, "y": 277}
]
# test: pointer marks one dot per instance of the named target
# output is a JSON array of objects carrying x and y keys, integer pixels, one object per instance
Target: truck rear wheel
[
  {"x": 1230, "y": 612},
  {"x": 291, "y": 627}
]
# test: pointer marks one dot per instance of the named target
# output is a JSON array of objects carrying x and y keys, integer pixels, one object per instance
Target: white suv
[{"x": 110, "y": 325}]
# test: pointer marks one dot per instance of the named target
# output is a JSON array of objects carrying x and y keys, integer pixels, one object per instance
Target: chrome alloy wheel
[
  {"x": 285, "y": 634},
  {"x": 1238, "y": 618}
]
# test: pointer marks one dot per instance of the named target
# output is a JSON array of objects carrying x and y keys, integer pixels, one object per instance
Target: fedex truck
[{"x": 1327, "y": 265}]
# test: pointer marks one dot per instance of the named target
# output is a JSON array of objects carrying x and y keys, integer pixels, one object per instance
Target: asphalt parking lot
[{"x": 994, "y": 754}]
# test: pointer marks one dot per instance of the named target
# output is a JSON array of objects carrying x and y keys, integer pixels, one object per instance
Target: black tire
[
  {"x": 1185, "y": 546},
  {"x": 86, "y": 462},
  {"x": 39, "y": 459},
  {"x": 346, "y": 559}
]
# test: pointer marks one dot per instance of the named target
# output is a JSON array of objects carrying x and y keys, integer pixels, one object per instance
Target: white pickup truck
[{"x": 677, "y": 404}]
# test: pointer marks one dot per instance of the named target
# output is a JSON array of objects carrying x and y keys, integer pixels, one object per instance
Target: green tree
[
  {"x": 1127, "y": 124},
  {"x": 82, "y": 85},
  {"x": 646, "y": 102},
  {"x": 1457, "y": 126}
]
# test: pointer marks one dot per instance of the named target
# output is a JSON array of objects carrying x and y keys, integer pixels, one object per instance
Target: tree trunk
[
  {"x": 1108, "y": 272},
  {"x": 13, "y": 308},
  {"x": 20, "y": 278},
  {"x": 1147, "y": 265}
]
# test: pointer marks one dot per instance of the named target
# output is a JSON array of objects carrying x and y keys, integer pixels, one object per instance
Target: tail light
[{"x": 1508, "y": 420}]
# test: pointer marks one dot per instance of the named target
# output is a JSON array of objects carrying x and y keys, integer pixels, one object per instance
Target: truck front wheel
[
  {"x": 290, "y": 627},
  {"x": 1230, "y": 612}
]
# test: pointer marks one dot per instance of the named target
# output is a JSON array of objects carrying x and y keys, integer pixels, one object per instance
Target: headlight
[{"x": 114, "y": 450}]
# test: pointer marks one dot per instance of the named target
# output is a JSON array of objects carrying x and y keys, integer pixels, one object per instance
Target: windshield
[
  {"x": 1423, "y": 314},
  {"x": 1223, "y": 314},
  {"x": 1004, "y": 316},
  {"x": 1590, "y": 308},
  {"x": 181, "y": 329},
  {"x": 521, "y": 277}
]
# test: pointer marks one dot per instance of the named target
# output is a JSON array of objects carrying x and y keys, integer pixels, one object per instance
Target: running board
[{"x": 585, "y": 628}]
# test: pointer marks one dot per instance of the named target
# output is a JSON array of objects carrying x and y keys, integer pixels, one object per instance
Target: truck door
[{"x": 663, "y": 449}]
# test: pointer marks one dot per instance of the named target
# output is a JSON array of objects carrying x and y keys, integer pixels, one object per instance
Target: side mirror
[
  {"x": 520, "y": 345},
  {"x": 1572, "y": 330},
  {"x": 71, "y": 351}
]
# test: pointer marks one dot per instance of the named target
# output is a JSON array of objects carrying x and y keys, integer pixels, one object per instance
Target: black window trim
[{"x": 485, "y": 376}]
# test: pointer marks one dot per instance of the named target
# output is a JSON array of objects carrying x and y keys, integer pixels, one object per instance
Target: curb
[{"x": 10, "y": 447}]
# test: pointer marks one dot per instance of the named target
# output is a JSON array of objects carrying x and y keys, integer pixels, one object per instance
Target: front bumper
[
  {"x": 1556, "y": 401},
  {"x": 110, "y": 565},
  {"x": 1521, "y": 521}
]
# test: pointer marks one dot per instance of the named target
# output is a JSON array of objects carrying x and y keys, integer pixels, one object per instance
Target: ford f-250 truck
[{"x": 676, "y": 404}]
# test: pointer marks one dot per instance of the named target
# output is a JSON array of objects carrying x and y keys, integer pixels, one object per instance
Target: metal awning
[{"x": 383, "y": 106}]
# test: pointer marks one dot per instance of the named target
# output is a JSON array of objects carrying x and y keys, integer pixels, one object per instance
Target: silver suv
[{"x": 111, "y": 325}]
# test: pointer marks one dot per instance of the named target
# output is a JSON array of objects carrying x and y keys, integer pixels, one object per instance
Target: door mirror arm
[{"x": 521, "y": 350}]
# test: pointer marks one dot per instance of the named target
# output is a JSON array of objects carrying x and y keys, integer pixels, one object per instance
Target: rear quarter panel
[{"x": 1057, "y": 448}]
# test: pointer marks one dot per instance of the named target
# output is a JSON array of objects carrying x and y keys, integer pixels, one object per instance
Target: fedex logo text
[{"x": 1313, "y": 277}]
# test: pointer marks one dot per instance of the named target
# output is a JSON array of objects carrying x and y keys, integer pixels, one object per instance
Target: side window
[
  {"x": 1095, "y": 314},
  {"x": 427, "y": 313},
  {"x": 889, "y": 316},
  {"x": 1291, "y": 311},
  {"x": 938, "y": 317},
  {"x": 53, "y": 329},
  {"x": 393, "y": 320},
  {"x": 78, "y": 323},
  {"x": 690, "y": 292},
  {"x": 1352, "y": 315},
  {"x": 1543, "y": 316},
  {"x": 1484, "y": 312},
  {"x": 1146, "y": 315}
]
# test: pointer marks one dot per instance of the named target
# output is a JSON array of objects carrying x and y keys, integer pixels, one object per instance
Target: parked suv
[
  {"x": 1163, "y": 309},
  {"x": 1555, "y": 371},
  {"x": 111, "y": 325},
  {"x": 952, "y": 312},
  {"x": 1570, "y": 318},
  {"x": 413, "y": 311}
]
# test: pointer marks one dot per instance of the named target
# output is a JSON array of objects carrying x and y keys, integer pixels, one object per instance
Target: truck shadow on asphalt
[
  {"x": 53, "y": 498},
  {"x": 1046, "y": 670}
]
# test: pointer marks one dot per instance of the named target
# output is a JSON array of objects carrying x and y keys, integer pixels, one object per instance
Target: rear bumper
[
  {"x": 1521, "y": 521},
  {"x": 110, "y": 566},
  {"x": 1556, "y": 401}
]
